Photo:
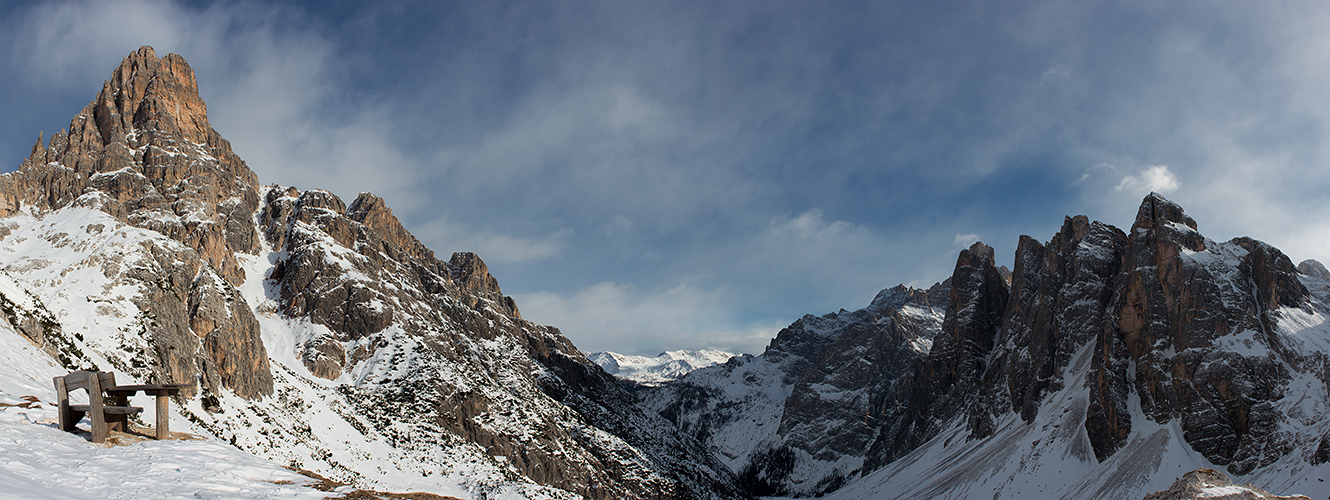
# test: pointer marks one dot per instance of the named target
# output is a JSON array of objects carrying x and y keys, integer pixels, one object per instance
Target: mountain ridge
[
  {"x": 642, "y": 371},
  {"x": 1104, "y": 352},
  {"x": 322, "y": 335}
]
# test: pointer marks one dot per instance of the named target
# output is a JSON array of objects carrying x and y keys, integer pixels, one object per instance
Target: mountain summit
[
  {"x": 142, "y": 152},
  {"x": 322, "y": 334},
  {"x": 1106, "y": 361}
]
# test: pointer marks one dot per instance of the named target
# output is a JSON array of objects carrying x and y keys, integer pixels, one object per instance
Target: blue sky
[{"x": 664, "y": 175}]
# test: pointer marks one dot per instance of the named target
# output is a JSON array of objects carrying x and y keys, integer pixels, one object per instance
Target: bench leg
[
  {"x": 163, "y": 418},
  {"x": 96, "y": 414},
  {"x": 67, "y": 416},
  {"x": 99, "y": 425},
  {"x": 117, "y": 423}
]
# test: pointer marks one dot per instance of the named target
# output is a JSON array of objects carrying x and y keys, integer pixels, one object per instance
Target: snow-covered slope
[
  {"x": 1105, "y": 365},
  {"x": 792, "y": 420},
  {"x": 86, "y": 267},
  {"x": 317, "y": 334},
  {"x": 38, "y": 460},
  {"x": 651, "y": 372},
  {"x": 1051, "y": 456}
]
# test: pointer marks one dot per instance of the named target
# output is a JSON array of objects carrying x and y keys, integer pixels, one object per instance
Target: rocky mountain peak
[
  {"x": 146, "y": 88},
  {"x": 143, "y": 153},
  {"x": 373, "y": 212},
  {"x": 471, "y": 274},
  {"x": 901, "y": 294},
  {"x": 978, "y": 254},
  {"x": 1313, "y": 268},
  {"x": 1156, "y": 210}
]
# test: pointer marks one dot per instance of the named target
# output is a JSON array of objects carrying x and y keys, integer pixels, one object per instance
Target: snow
[
  {"x": 38, "y": 460},
  {"x": 669, "y": 365},
  {"x": 752, "y": 387},
  {"x": 1219, "y": 491},
  {"x": 1051, "y": 457},
  {"x": 75, "y": 261}
]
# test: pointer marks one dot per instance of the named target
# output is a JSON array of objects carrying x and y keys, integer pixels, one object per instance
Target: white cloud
[
  {"x": 624, "y": 318},
  {"x": 1057, "y": 72},
  {"x": 445, "y": 236},
  {"x": 1101, "y": 166},
  {"x": 808, "y": 225},
  {"x": 966, "y": 240},
  {"x": 617, "y": 225},
  {"x": 1156, "y": 178}
]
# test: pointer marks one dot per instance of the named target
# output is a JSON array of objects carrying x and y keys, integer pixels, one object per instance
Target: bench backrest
[{"x": 83, "y": 379}]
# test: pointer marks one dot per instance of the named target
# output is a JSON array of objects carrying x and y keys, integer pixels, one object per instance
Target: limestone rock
[
  {"x": 1178, "y": 295},
  {"x": 1058, "y": 302},
  {"x": 1212, "y": 484},
  {"x": 471, "y": 274},
  {"x": 952, "y": 371},
  {"x": 144, "y": 152},
  {"x": 1189, "y": 325},
  {"x": 1313, "y": 268},
  {"x": 844, "y": 376}
]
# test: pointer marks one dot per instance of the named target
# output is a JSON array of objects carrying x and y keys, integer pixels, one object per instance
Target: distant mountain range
[{"x": 642, "y": 371}]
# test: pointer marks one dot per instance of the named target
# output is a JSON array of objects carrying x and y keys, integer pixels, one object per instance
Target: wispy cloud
[
  {"x": 1096, "y": 168},
  {"x": 650, "y": 143},
  {"x": 624, "y": 318},
  {"x": 1156, "y": 178},
  {"x": 808, "y": 225},
  {"x": 965, "y": 240},
  {"x": 495, "y": 247}
]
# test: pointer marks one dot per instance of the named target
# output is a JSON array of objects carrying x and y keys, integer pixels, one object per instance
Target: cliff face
[
  {"x": 324, "y": 335},
  {"x": 1181, "y": 302},
  {"x": 142, "y": 152},
  {"x": 797, "y": 419},
  {"x": 1102, "y": 351}
]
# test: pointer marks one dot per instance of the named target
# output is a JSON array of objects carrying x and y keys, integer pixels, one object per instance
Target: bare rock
[
  {"x": 1059, "y": 297},
  {"x": 1313, "y": 268},
  {"x": 1178, "y": 296},
  {"x": 144, "y": 152},
  {"x": 1212, "y": 484},
  {"x": 472, "y": 275},
  {"x": 942, "y": 383}
]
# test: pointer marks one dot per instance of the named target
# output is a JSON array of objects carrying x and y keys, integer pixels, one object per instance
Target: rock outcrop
[
  {"x": 1313, "y": 268},
  {"x": 1058, "y": 302},
  {"x": 956, "y": 363},
  {"x": 1178, "y": 296},
  {"x": 1102, "y": 327},
  {"x": 143, "y": 152},
  {"x": 798, "y": 419},
  {"x": 1212, "y": 484},
  {"x": 355, "y": 271}
]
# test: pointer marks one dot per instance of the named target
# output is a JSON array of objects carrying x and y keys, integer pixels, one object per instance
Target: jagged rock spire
[{"x": 143, "y": 152}]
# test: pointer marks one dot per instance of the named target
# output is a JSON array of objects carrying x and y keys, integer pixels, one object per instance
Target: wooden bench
[
  {"x": 105, "y": 417},
  {"x": 120, "y": 395}
]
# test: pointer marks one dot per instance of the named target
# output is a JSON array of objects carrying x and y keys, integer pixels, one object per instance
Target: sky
[{"x": 651, "y": 175}]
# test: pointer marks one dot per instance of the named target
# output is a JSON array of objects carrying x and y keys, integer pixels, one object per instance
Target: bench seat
[{"x": 114, "y": 410}]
